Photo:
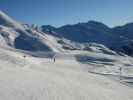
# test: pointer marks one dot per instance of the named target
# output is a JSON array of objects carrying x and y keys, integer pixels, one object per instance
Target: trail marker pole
[{"x": 24, "y": 60}]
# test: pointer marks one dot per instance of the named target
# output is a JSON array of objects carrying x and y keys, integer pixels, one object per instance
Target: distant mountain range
[
  {"x": 118, "y": 38},
  {"x": 69, "y": 37}
]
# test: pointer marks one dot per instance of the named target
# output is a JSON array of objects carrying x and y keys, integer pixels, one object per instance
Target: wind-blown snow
[{"x": 9, "y": 22}]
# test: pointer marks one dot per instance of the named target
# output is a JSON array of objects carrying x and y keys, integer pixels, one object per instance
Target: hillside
[
  {"x": 40, "y": 78},
  {"x": 86, "y": 61}
]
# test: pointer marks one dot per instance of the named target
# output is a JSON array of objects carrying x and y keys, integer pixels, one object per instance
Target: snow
[
  {"x": 8, "y": 36},
  {"x": 13, "y": 29},
  {"x": 66, "y": 79},
  {"x": 50, "y": 41},
  {"x": 103, "y": 63},
  {"x": 75, "y": 75}
]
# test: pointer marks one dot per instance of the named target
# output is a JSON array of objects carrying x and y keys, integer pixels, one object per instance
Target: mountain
[
  {"x": 69, "y": 37},
  {"x": 73, "y": 62},
  {"x": 33, "y": 38},
  {"x": 18, "y": 36},
  {"x": 81, "y": 32},
  {"x": 117, "y": 38},
  {"x": 125, "y": 30}
]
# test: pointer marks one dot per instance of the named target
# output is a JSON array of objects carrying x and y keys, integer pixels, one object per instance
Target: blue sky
[{"x": 61, "y": 12}]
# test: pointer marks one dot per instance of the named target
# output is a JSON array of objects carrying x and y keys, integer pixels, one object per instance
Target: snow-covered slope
[
  {"x": 39, "y": 78},
  {"x": 14, "y": 34},
  {"x": 68, "y": 37},
  {"x": 8, "y": 36},
  {"x": 69, "y": 70}
]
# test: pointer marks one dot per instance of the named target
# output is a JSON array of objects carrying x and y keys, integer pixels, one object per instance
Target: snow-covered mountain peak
[{"x": 15, "y": 34}]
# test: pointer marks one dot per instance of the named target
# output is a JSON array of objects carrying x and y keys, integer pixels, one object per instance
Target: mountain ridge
[
  {"x": 72, "y": 37},
  {"x": 117, "y": 38}
]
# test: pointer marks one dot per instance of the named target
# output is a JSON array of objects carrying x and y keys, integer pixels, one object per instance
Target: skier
[{"x": 54, "y": 58}]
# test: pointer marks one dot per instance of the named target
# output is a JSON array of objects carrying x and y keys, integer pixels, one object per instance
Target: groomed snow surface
[{"x": 33, "y": 78}]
